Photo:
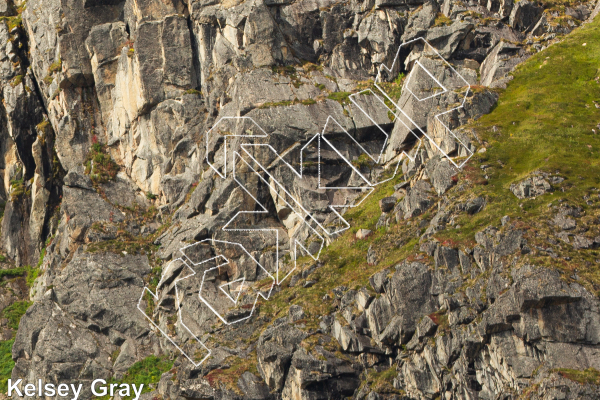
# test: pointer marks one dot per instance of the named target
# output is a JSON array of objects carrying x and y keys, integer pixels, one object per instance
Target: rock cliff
[{"x": 111, "y": 179}]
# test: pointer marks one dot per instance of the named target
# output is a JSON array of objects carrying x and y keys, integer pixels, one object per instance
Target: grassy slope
[{"x": 544, "y": 121}]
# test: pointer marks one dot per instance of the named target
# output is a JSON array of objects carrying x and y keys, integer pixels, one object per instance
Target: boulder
[
  {"x": 418, "y": 199},
  {"x": 499, "y": 62},
  {"x": 441, "y": 173},
  {"x": 6, "y": 8},
  {"x": 363, "y": 233},
  {"x": 475, "y": 205},
  {"x": 531, "y": 187},
  {"x": 525, "y": 15},
  {"x": 252, "y": 387},
  {"x": 387, "y": 204},
  {"x": 274, "y": 351}
]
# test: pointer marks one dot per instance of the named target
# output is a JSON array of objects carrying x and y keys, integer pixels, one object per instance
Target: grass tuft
[{"x": 15, "y": 311}]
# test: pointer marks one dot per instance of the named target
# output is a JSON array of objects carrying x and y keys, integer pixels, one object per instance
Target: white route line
[{"x": 277, "y": 188}]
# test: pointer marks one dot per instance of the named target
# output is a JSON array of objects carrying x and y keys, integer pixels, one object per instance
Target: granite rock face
[{"x": 105, "y": 135}]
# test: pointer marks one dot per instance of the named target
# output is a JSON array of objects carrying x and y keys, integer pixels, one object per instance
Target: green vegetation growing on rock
[
  {"x": 284, "y": 103},
  {"x": 590, "y": 376},
  {"x": 55, "y": 66},
  {"x": 15, "y": 311},
  {"x": 229, "y": 376},
  {"x": 193, "y": 91},
  {"x": 6, "y": 363},
  {"x": 340, "y": 97},
  {"x": 17, "y": 188},
  {"x": 12, "y": 272},
  {"x": 100, "y": 166},
  {"x": 344, "y": 259},
  {"x": 16, "y": 81},
  {"x": 146, "y": 372},
  {"x": 442, "y": 20},
  {"x": 43, "y": 126},
  {"x": 381, "y": 382}
]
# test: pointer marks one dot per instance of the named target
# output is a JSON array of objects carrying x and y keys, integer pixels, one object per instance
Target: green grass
[
  {"x": 55, "y": 67},
  {"x": 589, "y": 376},
  {"x": 546, "y": 115},
  {"x": 542, "y": 121},
  {"x": 28, "y": 272},
  {"x": 100, "y": 166},
  {"x": 15, "y": 311},
  {"x": 285, "y": 103},
  {"x": 442, "y": 20},
  {"x": 6, "y": 363},
  {"x": 13, "y": 272},
  {"x": 344, "y": 259},
  {"x": 193, "y": 91},
  {"x": 381, "y": 382},
  {"x": 32, "y": 275},
  {"x": 17, "y": 80},
  {"x": 146, "y": 372},
  {"x": 17, "y": 188},
  {"x": 340, "y": 97}
]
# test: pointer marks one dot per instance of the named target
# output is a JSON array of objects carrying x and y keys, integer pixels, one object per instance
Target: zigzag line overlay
[{"x": 245, "y": 158}]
